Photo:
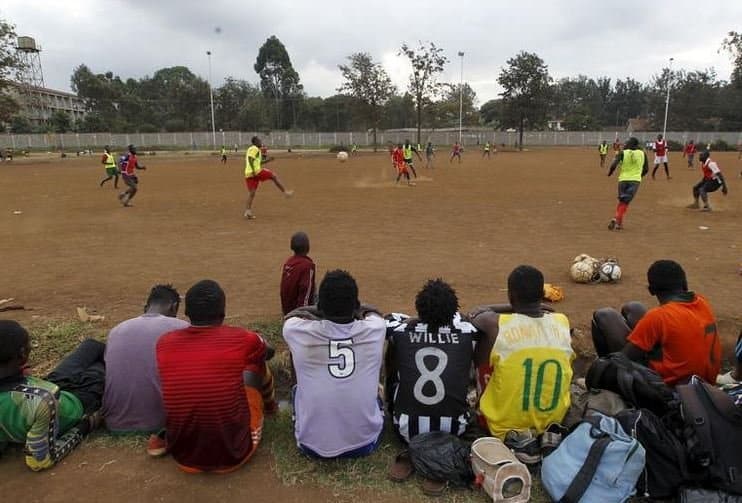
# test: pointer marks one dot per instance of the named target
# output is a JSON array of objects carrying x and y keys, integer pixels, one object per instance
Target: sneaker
[
  {"x": 524, "y": 445},
  {"x": 612, "y": 224},
  {"x": 289, "y": 194},
  {"x": 552, "y": 437},
  {"x": 157, "y": 444},
  {"x": 249, "y": 215},
  {"x": 706, "y": 208},
  {"x": 727, "y": 378},
  {"x": 693, "y": 206}
]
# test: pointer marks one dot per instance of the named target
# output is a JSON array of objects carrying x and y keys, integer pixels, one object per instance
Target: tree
[
  {"x": 60, "y": 121},
  {"x": 20, "y": 124},
  {"x": 10, "y": 64},
  {"x": 427, "y": 62},
  {"x": 732, "y": 44},
  {"x": 445, "y": 112},
  {"x": 279, "y": 81},
  {"x": 368, "y": 83},
  {"x": 526, "y": 84},
  {"x": 491, "y": 113}
]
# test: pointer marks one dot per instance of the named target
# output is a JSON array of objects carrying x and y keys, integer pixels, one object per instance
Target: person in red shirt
[
  {"x": 401, "y": 165},
  {"x": 616, "y": 146},
  {"x": 215, "y": 386},
  {"x": 297, "y": 278},
  {"x": 129, "y": 165},
  {"x": 690, "y": 153},
  {"x": 678, "y": 339},
  {"x": 660, "y": 156},
  {"x": 712, "y": 181},
  {"x": 456, "y": 152}
]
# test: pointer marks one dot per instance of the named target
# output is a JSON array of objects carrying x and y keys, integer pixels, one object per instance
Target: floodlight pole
[
  {"x": 461, "y": 95},
  {"x": 211, "y": 98},
  {"x": 667, "y": 100}
]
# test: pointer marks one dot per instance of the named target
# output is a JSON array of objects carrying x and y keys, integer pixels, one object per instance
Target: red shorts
[
  {"x": 402, "y": 168},
  {"x": 252, "y": 182}
]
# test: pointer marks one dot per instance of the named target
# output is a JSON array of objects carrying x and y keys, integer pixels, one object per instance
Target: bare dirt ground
[{"x": 74, "y": 245}]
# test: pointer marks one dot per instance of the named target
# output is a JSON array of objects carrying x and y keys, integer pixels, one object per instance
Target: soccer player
[
  {"x": 616, "y": 146},
  {"x": 486, "y": 151},
  {"x": 408, "y": 150},
  {"x": 633, "y": 166},
  {"x": 224, "y": 154},
  {"x": 660, "y": 156},
  {"x": 337, "y": 349},
  {"x": 50, "y": 416},
  {"x": 456, "y": 152},
  {"x": 429, "y": 361},
  {"x": 400, "y": 165},
  {"x": 129, "y": 164},
  {"x": 297, "y": 278},
  {"x": 109, "y": 163},
  {"x": 690, "y": 152},
  {"x": 429, "y": 155},
  {"x": 216, "y": 386},
  {"x": 523, "y": 359},
  {"x": 256, "y": 173},
  {"x": 711, "y": 182},
  {"x": 132, "y": 401},
  {"x": 678, "y": 338},
  {"x": 603, "y": 151}
]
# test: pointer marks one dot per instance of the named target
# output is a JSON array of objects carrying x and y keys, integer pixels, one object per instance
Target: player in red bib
[
  {"x": 616, "y": 146},
  {"x": 401, "y": 165},
  {"x": 711, "y": 182},
  {"x": 660, "y": 156},
  {"x": 129, "y": 164},
  {"x": 456, "y": 152},
  {"x": 690, "y": 152}
]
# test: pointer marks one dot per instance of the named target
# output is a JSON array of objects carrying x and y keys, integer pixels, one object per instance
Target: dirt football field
[{"x": 66, "y": 242}]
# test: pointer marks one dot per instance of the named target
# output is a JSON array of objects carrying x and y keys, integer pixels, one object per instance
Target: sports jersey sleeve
[
  {"x": 395, "y": 323},
  {"x": 646, "y": 334},
  {"x": 714, "y": 168},
  {"x": 43, "y": 449},
  {"x": 305, "y": 286},
  {"x": 255, "y": 354}
]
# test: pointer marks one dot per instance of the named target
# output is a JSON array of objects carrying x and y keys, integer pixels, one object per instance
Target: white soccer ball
[
  {"x": 342, "y": 156},
  {"x": 584, "y": 270},
  {"x": 610, "y": 271}
]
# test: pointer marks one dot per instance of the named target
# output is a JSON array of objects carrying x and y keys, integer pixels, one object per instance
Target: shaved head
[{"x": 300, "y": 243}]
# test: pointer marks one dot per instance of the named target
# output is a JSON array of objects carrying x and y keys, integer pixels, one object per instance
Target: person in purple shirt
[{"x": 132, "y": 401}]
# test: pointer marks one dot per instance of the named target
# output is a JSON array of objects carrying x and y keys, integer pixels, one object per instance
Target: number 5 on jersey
[{"x": 341, "y": 351}]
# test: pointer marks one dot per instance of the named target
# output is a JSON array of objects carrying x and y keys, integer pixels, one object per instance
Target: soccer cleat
[
  {"x": 552, "y": 437},
  {"x": 706, "y": 208},
  {"x": 288, "y": 193},
  {"x": 157, "y": 444},
  {"x": 612, "y": 224},
  {"x": 524, "y": 445},
  {"x": 249, "y": 215}
]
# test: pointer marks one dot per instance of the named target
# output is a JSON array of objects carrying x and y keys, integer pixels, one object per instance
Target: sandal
[
  {"x": 401, "y": 469},
  {"x": 432, "y": 487}
]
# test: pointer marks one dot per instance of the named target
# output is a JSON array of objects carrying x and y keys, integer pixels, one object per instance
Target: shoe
[
  {"x": 727, "y": 378},
  {"x": 706, "y": 208},
  {"x": 693, "y": 206},
  {"x": 411, "y": 184},
  {"x": 289, "y": 194},
  {"x": 249, "y": 215},
  {"x": 612, "y": 224},
  {"x": 121, "y": 196},
  {"x": 524, "y": 445},
  {"x": 157, "y": 444},
  {"x": 552, "y": 437}
]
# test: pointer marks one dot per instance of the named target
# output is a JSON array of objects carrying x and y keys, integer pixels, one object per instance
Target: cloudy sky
[{"x": 135, "y": 38}]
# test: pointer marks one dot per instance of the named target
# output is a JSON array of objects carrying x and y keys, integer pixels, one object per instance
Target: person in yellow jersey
[
  {"x": 633, "y": 167},
  {"x": 486, "y": 151},
  {"x": 603, "y": 151},
  {"x": 407, "y": 151},
  {"x": 109, "y": 163},
  {"x": 256, "y": 173},
  {"x": 524, "y": 364},
  {"x": 224, "y": 155}
]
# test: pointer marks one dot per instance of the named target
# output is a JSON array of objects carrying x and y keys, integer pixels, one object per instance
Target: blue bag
[{"x": 596, "y": 462}]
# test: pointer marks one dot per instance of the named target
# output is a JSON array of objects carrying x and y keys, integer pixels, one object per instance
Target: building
[{"x": 39, "y": 103}]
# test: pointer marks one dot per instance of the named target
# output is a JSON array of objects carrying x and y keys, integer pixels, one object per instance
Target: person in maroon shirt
[
  {"x": 297, "y": 277},
  {"x": 216, "y": 386},
  {"x": 129, "y": 165},
  {"x": 690, "y": 152}
]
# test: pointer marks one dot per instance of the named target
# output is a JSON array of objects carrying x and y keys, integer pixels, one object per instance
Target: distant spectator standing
[
  {"x": 689, "y": 152},
  {"x": 298, "y": 276}
]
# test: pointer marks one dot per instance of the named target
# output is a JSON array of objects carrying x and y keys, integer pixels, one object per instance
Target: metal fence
[{"x": 285, "y": 139}]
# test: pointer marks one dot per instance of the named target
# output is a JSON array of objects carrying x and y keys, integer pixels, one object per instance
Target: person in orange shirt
[
  {"x": 678, "y": 339},
  {"x": 401, "y": 165}
]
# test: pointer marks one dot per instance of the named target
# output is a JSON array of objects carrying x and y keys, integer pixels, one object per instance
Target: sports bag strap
[
  {"x": 625, "y": 378},
  {"x": 695, "y": 415},
  {"x": 583, "y": 478}
]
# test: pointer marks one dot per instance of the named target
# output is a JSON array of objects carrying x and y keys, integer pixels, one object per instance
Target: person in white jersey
[{"x": 337, "y": 349}]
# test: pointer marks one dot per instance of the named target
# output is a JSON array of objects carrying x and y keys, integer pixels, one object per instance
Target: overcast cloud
[{"x": 137, "y": 37}]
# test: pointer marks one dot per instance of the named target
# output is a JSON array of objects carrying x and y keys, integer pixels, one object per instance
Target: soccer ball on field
[
  {"x": 342, "y": 156},
  {"x": 610, "y": 271},
  {"x": 584, "y": 269}
]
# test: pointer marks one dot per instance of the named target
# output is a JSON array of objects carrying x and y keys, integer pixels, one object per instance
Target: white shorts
[{"x": 658, "y": 159}]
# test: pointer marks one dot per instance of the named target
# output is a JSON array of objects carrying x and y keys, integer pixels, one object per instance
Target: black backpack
[
  {"x": 440, "y": 456},
  {"x": 713, "y": 434},
  {"x": 640, "y": 386},
  {"x": 666, "y": 466}
]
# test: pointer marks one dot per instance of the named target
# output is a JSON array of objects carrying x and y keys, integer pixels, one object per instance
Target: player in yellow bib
[
  {"x": 603, "y": 150},
  {"x": 256, "y": 173},
  {"x": 109, "y": 163},
  {"x": 486, "y": 151},
  {"x": 524, "y": 361},
  {"x": 634, "y": 166}
]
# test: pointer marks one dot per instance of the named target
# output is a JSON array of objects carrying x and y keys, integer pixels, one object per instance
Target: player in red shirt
[
  {"x": 456, "y": 152},
  {"x": 711, "y": 182},
  {"x": 129, "y": 165},
  {"x": 401, "y": 165},
  {"x": 690, "y": 152},
  {"x": 660, "y": 156},
  {"x": 616, "y": 146},
  {"x": 297, "y": 278},
  {"x": 215, "y": 386}
]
